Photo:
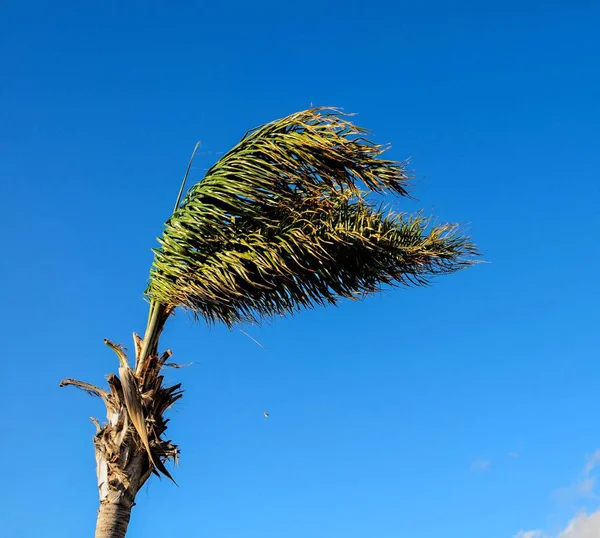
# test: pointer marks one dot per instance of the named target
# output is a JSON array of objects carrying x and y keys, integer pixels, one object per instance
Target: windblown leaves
[{"x": 283, "y": 222}]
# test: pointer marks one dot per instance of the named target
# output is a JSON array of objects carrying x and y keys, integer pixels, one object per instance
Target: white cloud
[
  {"x": 583, "y": 526},
  {"x": 514, "y": 456},
  {"x": 480, "y": 465}
]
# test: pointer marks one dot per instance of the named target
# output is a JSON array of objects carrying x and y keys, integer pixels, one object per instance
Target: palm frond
[
  {"x": 92, "y": 390},
  {"x": 282, "y": 222},
  {"x": 135, "y": 410}
]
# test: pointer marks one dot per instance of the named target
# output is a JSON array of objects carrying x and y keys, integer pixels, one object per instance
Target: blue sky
[{"x": 464, "y": 410}]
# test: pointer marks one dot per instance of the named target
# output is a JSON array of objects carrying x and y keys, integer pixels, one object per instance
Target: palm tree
[{"x": 283, "y": 221}]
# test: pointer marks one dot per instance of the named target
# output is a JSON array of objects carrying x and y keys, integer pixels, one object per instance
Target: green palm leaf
[{"x": 283, "y": 221}]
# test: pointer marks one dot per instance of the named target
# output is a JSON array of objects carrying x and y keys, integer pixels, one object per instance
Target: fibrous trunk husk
[{"x": 129, "y": 447}]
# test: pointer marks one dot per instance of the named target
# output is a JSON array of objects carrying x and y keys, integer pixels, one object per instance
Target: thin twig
[
  {"x": 177, "y": 365},
  {"x": 253, "y": 339}
]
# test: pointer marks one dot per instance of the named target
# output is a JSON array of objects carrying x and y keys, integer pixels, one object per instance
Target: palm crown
[{"x": 284, "y": 220}]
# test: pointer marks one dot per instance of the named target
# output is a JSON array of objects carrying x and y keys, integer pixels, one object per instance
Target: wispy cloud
[
  {"x": 480, "y": 465},
  {"x": 514, "y": 456},
  {"x": 592, "y": 462},
  {"x": 584, "y": 488},
  {"x": 579, "y": 490},
  {"x": 530, "y": 534}
]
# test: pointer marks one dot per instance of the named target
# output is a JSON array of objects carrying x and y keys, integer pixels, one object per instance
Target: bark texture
[
  {"x": 113, "y": 519},
  {"x": 121, "y": 469}
]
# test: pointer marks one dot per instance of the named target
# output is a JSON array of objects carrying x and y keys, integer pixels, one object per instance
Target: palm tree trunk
[
  {"x": 122, "y": 467},
  {"x": 113, "y": 519}
]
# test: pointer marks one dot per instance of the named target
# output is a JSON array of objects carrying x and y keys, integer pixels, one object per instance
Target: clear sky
[{"x": 465, "y": 410}]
